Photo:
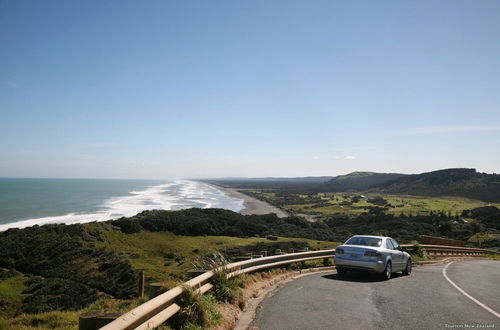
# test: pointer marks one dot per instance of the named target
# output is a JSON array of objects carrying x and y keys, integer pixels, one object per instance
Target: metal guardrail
[
  {"x": 450, "y": 250},
  {"x": 159, "y": 309}
]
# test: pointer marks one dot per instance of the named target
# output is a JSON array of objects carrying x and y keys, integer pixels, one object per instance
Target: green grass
[
  {"x": 51, "y": 320},
  {"x": 407, "y": 205},
  {"x": 66, "y": 320},
  {"x": 147, "y": 250},
  {"x": 422, "y": 205},
  {"x": 11, "y": 295}
]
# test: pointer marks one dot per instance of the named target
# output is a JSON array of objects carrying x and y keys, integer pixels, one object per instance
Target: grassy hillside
[
  {"x": 360, "y": 181},
  {"x": 12, "y": 285},
  {"x": 352, "y": 204},
  {"x": 450, "y": 182},
  {"x": 52, "y": 273},
  {"x": 167, "y": 257},
  {"x": 459, "y": 182}
]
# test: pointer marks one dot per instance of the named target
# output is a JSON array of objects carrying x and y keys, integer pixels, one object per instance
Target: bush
[
  {"x": 56, "y": 294},
  {"x": 128, "y": 226},
  {"x": 418, "y": 251},
  {"x": 227, "y": 289},
  {"x": 192, "y": 310},
  {"x": 197, "y": 311}
]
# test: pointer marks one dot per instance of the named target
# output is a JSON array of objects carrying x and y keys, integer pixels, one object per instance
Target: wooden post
[{"x": 141, "y": 285}]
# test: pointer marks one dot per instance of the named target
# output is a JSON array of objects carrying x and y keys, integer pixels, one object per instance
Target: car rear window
[{"x": 365, "y": 241}]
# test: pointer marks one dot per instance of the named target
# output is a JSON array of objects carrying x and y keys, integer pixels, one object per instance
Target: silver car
[{"x": 378, "y": 254}]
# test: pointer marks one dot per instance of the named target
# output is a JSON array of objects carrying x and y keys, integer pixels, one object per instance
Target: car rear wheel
[
  {"x": 386, "y": 275},
  {"x": 407, "y": 270}
]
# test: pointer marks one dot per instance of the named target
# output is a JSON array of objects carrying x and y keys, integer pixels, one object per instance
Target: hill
[
  {"x": 360, "y": 181},
  {"x": 457, "y": 182},
  {"x": 305, "y": 179},
  {"x": 463, "y": 182},
  {"x": 309, "y": 183}
]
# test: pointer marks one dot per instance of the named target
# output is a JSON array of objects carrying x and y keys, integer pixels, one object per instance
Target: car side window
[
  {"x": 389, "y": 244},
  {"x": 396, "y": 245}
]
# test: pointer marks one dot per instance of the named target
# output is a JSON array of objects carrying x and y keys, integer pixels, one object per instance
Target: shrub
[
  {"x": 192, "y": 310},
  {"x": 418, "y": 251},
  {"x": 226, "y": 289},
  {"x": 56, "y": 294},
  {"x": 128, "y": 226},
  {"x": 197, "y": 311}
]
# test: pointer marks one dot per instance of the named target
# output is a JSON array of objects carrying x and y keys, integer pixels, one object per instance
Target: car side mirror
[{"x": 404, "y": 249}]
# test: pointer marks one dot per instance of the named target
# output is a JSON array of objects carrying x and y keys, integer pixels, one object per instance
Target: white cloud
[
  {"x": 316, "y": 157},
  {"x": 347, "y": 157}
]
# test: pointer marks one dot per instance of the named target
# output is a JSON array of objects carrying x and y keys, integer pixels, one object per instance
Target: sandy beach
[{"x": 253, "y": 205}]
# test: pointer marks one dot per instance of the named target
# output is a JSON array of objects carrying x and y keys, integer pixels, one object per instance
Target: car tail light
[
  {"x": 372, "y": 254},
  {"x": 339, "y": 251}
]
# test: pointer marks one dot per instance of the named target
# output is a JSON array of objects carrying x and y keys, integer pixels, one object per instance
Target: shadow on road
[{"x": 358, "y": 277}]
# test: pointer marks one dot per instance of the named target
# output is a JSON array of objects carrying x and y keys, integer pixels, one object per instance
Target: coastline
[
  {"x": 252, "y": 205},
  {"x": 118, "y": 205}
]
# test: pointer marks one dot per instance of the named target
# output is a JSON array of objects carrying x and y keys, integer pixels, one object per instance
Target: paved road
[{"x": 424, "y": 300}]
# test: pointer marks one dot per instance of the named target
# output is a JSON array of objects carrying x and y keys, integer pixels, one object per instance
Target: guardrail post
[{"x": 95, "y": 320}]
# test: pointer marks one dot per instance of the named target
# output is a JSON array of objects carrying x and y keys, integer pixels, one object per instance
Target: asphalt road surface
[{"x": 423, "y": 300}]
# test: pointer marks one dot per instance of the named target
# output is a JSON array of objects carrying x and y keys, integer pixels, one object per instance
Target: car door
[
  {"x": 398, "y": 256},
  {"x": 390, "y": 248}
]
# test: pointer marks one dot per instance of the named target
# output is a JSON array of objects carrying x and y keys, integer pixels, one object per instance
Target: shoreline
[{"x": 252, "y": 205}]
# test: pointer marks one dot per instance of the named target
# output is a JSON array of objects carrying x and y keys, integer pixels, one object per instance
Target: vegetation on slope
[
  {"x": 450, "y": 182},
  {"x": 355, "y": 204},
  {"x": 70, "y": 268},
  {"x": 167, "y": 257},
  {"x": 460, "y": 182},
  {"x": 361, "y": 181}
]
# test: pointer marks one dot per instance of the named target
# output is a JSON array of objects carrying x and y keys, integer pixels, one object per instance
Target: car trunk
[{"x": 358, "y": 252}]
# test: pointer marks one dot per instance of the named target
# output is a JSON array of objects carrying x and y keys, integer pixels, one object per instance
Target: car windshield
[{"x": 365, "y": 241}]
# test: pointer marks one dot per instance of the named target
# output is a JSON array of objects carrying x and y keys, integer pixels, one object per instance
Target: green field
[{"x": 331, "y": 203}]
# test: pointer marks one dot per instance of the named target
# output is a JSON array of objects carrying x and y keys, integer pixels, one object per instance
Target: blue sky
[{"x": 164, "y": 89}]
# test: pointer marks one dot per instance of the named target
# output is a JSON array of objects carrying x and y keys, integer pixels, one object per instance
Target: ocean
[{"x": 26, "y": 202}]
